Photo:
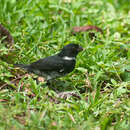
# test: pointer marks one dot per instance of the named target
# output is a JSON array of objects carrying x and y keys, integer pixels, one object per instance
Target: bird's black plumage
[{"x": 57, "y": 65}]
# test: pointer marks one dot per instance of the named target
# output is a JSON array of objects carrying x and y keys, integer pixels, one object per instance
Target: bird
[{"x": 55, "y": 66}]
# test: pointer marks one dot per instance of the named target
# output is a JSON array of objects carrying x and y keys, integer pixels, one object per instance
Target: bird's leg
[
  {"x": 51, "y": 85},
  {"x": 48, "y": 82}
]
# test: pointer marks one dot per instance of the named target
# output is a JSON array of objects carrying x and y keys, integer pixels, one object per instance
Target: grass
[{"x": 102, "y": 73}]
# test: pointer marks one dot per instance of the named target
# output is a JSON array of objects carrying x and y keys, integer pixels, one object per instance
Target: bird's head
[{"x": 70, "y": 50}]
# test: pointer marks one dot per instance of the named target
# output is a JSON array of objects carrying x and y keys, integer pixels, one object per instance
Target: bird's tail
[{"x": 26, "y": 67}]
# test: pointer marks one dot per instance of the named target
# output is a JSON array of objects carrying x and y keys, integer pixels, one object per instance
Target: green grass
[{"x": 41, "y": 28}]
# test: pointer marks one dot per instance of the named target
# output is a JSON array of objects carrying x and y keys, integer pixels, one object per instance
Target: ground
[{"x": 100, "y": 81}]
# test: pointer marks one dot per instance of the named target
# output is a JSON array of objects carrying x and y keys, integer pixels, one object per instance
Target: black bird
[{"x": 57, "y": 65}]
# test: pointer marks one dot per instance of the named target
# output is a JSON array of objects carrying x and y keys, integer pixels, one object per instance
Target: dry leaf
[
  {"x": 68, "y": 1},
  {"x": 41, "y": 79},
  {"x": 86, "y": 28},
  {"x": 72, "y": 118},
  {"x": 3, "y": 100},
  {"x": 54, "y": 123},
  {"x": 4, "y": 32}
]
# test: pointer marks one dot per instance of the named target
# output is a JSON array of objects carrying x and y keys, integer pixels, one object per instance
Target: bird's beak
[{"x": 80, "y": 49}]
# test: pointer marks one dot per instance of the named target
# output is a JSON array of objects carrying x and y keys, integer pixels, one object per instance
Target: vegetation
[{"x": 101, "y": 78}]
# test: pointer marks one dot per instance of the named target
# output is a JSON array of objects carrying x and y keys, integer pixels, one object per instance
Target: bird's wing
[{"x": 49, "y": 64}]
